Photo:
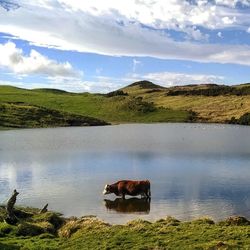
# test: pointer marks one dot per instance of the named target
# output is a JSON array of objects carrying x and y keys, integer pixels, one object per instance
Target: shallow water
[{"x": 195, "y": 169}]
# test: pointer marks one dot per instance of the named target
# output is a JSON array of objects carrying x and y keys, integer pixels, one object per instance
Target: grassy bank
[
  {"x": 51, "y": 231},
  {"x": 22, "y": 115}
]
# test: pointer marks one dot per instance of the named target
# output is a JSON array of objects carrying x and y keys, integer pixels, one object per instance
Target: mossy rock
[
  {"x": 28, "y": 229},
  {"x": 21, "y": 214},
  {"x": 47, "y": 227},
  {"x": 53, "y": 218}
]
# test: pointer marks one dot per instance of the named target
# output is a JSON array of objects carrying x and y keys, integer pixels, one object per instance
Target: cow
[{"x": 128, "y": 187}]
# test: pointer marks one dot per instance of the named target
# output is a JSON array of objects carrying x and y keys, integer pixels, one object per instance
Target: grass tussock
[{"x": 72, "y": 225}]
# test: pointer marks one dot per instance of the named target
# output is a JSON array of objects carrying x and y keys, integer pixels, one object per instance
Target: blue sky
[{"x": 99, "y": 46}]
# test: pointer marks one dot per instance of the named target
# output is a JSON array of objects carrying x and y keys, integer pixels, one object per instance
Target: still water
[{"x": 195, "y": 169}]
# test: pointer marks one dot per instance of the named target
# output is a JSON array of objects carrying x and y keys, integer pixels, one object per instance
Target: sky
[{"x": 100, "y": 46}]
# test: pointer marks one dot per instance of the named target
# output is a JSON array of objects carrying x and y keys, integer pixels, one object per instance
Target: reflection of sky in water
[{"x": 195, "y": 170}]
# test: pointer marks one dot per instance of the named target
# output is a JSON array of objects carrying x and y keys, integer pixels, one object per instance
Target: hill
[
  {"x": 145, "y": 85},
  {"x": 114, "y": 109},
  {"x": 142, "y": 87},
  {"x": 22, "y": 115},
  {"x": 141, "y": 101},
  {"x": 210, "y": 102}
]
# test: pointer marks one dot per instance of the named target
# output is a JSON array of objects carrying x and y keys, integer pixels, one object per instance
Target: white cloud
[
  {"x": 135, "y": 64},
  {"x": 129, "y": 28},
  {"x": 233, "y": 3},
  {"x": 14, "y": 59},
  {"x": 219, "y": 34},
  {"x": 105, "y": 84},
  {"x": 175, "y": 78},
  {"x": 196, "y": 34},
  {"x": 74, "y": 85}
]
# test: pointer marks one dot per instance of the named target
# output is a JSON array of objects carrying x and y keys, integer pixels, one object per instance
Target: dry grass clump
[
  {"x": 204, "y": 220},
  {"x": 169, "y": 221},
  {"x": 74, "y": 224},
  {"x": 235, "y": 221}
]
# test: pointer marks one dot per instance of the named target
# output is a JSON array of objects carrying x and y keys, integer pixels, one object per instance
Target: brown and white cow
[{"x": 128, "y": 187}]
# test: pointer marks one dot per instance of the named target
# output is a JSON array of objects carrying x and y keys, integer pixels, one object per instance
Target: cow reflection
[{"x": 132, "y": 205}]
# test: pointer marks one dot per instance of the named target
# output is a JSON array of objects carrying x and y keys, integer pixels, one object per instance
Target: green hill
[
  {"x": 114, "y": 109},
  {"x": 141, "y": 101},
  {"x": 22, "y": 115}
]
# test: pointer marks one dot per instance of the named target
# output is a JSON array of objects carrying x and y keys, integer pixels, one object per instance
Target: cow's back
[{"x": 133, "y": 187}]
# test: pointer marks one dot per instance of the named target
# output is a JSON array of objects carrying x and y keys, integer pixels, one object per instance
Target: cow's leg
[
  {"x": 123, "y": 196},
  {"x": 148, "y": 193}
]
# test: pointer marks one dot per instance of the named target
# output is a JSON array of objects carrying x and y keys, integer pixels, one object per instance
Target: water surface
[{"x": 195, "y": 169}]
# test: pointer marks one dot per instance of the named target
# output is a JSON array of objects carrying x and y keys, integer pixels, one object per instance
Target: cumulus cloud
[
  {"x": 14, "y": 59},
  {"x": 130, "y": 28},
  {"x": 175, "y": 78}
]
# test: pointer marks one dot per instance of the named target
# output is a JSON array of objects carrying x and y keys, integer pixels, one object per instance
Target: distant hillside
[
  {"x": 114, "y": 108},
  {"x": 55, "y": 91},
  {"x": 22, "y": 115},
  {"x": 210, "y": 90},
  {"x": 145, "y": 85},
  {"x": 141, "y": 101},
  {"x": 210, "y": 102},
  {"x": 142, "y": 87}
]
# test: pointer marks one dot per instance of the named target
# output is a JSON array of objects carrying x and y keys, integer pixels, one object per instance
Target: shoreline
[
  {"x": 50, "y": 230},
  {"x": 124, "y": 123}
]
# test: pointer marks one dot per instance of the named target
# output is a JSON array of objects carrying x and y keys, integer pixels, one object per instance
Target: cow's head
[{"x": 107, "y": 189}]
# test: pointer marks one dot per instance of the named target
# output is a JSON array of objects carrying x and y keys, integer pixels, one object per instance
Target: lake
[{"x": 195, "y": 169}]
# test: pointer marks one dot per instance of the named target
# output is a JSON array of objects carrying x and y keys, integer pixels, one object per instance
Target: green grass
[
  {"x": 22, "y": 115},
  {"x": 112, "y": 109},
  {"x": 51, "y": 231},
  {"x": 117, "y": 109}
]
